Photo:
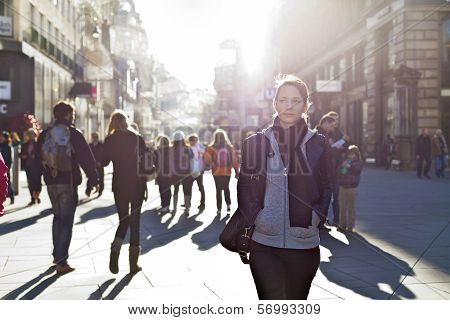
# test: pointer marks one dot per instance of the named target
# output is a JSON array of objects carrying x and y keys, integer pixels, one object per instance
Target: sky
[{"x": 185, "y": 35}]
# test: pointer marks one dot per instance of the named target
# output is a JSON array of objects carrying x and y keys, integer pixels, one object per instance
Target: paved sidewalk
[{"x": 399, "y": 250}]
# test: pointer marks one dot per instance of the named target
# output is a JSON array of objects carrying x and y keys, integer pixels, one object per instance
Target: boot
[
  {"x": 134, "y": 256},
  {"x": 114, "y": 256}
]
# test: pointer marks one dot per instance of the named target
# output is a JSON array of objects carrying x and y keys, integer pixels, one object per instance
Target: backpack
[
  {"x": 57, "y": 150},
  {"x": 223, "y": 158}
]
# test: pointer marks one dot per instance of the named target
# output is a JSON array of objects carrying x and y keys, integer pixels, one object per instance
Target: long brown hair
[
  {"x": 119, "y": 122},
  {"x": 220, "y": 139}
]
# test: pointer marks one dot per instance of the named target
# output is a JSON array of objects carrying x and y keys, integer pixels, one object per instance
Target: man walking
[
  {"x": 423, "y": 153},
  {"x": 63, "y": 151},
  {"x": 388, "y": 151},
  {"x": 97, "y": 149}
]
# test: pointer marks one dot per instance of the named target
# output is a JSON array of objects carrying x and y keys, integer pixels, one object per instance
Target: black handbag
[{"x": 236, "y": 236}]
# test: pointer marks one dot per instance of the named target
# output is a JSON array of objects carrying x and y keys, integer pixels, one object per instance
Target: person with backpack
[
  {"x": 63, "y": 149},
  {"x": 349, "y": 177},
  {"x": 30, "y": 160},
  {"x": 6, "y": 151},
  {"x": 284, "y": 191},
  {"x": 97, "y": 150},
  {"x": 3, "y": 183},
  {"x": 164, "y": 178},
  {"x": 197, "y": 167},
  {"x": 221, "y": 157},
  {"x": 181, "y": 155},
  {"x": 126, "y": 149}
]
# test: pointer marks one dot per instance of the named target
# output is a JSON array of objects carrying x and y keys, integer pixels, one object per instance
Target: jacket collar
[{"x": 268, "y": 132}]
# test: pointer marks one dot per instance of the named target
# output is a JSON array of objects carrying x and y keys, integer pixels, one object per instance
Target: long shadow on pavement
[
  {"x": 159, "y": 232},
  {"x": 120, "y": 286},
  {"x": 209, "y": 236},
  {"x": 18, "y": 291},
  {"x": 364, "y": 268},
  {"x": 13, "y": 226},
  {"x": 97, "y": 294},
  {"x": 97, "y": 213},
  {"x": 37, "y": 290}
]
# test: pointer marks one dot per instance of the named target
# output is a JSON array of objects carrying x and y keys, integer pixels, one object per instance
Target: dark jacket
[
  {"x": 125, "y": 149},
  {"x": 163, "y": 163},
  {"x": 82, "y": 156},
  {"x": 181, "y": 158},
  {"x": 6, "y": 151},
  {"x": 30, "y": 160},
  {"x": 252, "y": 179},
  {"x": 97, "y": 151},
  {"x": 350, "y": 177},
  {"x": 389, "y": 147},
  {"x": 3, "y": 183},
  {"x": 423, "y": 146}
]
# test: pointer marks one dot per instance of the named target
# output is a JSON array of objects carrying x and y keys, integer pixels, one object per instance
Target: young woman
[
  {"x": 221, "y": 157},
  {"x": 164, "y": 177},
  {"x": 30, "y": 160},
  {"x": 125, "y": 148},
  {"x": 349, "y": 177},
  {"x": 181, "y": 155},
  {"x": 6, "y": 151},
  {"x": 288, "y": 199}
]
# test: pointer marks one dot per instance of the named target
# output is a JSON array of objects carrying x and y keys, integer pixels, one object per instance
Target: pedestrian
[
  {"x": 125, "y": 148},
  {"x": 221, "y": 157},
  {"x": 349, "y": 178},
  {"x": 3, "y": 184},
  {"x": 289, "y": 198},
  {"x": 439, "y": 152},
  {"x": 6, "y": 151},
  {"x": 197, "y": 166},
  {"x": 423, "y": 154},
  {"x": 29, "y": 156},
  {"x": 15, "y": 139},
  {"x": 181, "y": 157},
  {"x": 97, "y": 150},
  {"x": 388, "y": 151},
  {"x": 63, "y": 149},
  {"x": 338, "y": 145},
  {"x": 164, "y": 177}
]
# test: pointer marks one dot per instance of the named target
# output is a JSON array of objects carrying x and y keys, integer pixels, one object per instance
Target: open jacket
[{"x": 285, "y": 209}]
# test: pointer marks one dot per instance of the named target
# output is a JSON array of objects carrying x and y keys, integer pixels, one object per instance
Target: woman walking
[
  {"x": 439, "y": 152},
  {"x": 164, "y": 177},
  {"x": 221, "y": 157},
  {"x": 30, "y": 160},
  {"x": 289, "y": 198},
  {"x": 6, "y": 151},
  {"x": 125, "y": 148},
  {"x": 349, "y": 177},
  {"x": 181, "y": 155}
]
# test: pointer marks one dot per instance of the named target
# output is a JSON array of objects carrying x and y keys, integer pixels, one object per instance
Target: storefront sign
[
  {"x": 6, "y": 26},
  {"x": 5, "y": 90},
  {"x": 328, "y": 86},
  {"x": 3, "y": 109}
]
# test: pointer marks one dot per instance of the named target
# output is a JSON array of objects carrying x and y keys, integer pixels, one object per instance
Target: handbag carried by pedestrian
[{"x": 237, "y": 234}]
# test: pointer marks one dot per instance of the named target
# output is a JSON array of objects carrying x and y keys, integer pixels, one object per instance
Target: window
[{"x": 446, "y": 53}]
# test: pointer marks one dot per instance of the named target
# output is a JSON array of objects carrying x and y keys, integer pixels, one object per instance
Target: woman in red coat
[{"x": 3, "y": 183}]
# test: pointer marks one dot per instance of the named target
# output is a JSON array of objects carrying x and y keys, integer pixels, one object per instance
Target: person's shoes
[
  {"x": 99, "y": 194},
  {"x": 31, "y": 202},
  {"x": 201, "y": 207},
  {"x": 114, "y": 256},
  {"x": 12, "y": 201},
  {"x": 324, "y": 228},
  {"x": 88, "y": 193},
  {"x": 134, "y": 256},
  {"x": 60, "y": 270},
  {"x": 340, "y": 229},
  {"x": 228, "y": 208},
  {"x": 218, "y": 211},
  {"x": 38, "y": 200}
]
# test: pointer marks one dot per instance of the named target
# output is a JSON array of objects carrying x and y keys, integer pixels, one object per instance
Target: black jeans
[
  {"x": 129, "y": 218},
  {"x": 164, "y": 185},
  {"x": 283, "y": 274},
  {"x": 420, "y": 168},
  {"x": 187, "y": 183},
  {"x": 201, "y": 188},
  {"x": 222, "y": 183}
]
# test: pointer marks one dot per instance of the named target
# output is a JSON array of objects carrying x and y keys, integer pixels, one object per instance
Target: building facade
[{"x": 381, "y": 64}]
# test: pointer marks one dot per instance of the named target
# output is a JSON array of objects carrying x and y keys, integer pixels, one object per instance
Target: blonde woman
[{"x": 124, "y": 147}]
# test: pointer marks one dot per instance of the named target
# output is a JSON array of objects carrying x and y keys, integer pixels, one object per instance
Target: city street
[{"x": 400, "y": 248}]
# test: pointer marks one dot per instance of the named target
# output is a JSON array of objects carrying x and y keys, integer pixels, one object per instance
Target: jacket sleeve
[
  {"x": 84, "y": 156},
  {"x": 207, "y": 158},
  {"x": 3, "y": 183},
  {"x": 324, "y": 182},
  {"x": 356, "y": 167},
  {"x": 235, "y": 161}
]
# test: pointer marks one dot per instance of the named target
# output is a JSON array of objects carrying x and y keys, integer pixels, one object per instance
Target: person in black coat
[
  {"x": 6, "y": 150},
  {"x": 125, "y": 148},
  {"x": 423, "y": 154},
  {"x": 97, "y": 149},
  {"x": 30, "y": 161},
  {"x": 164, "y": 178}
]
